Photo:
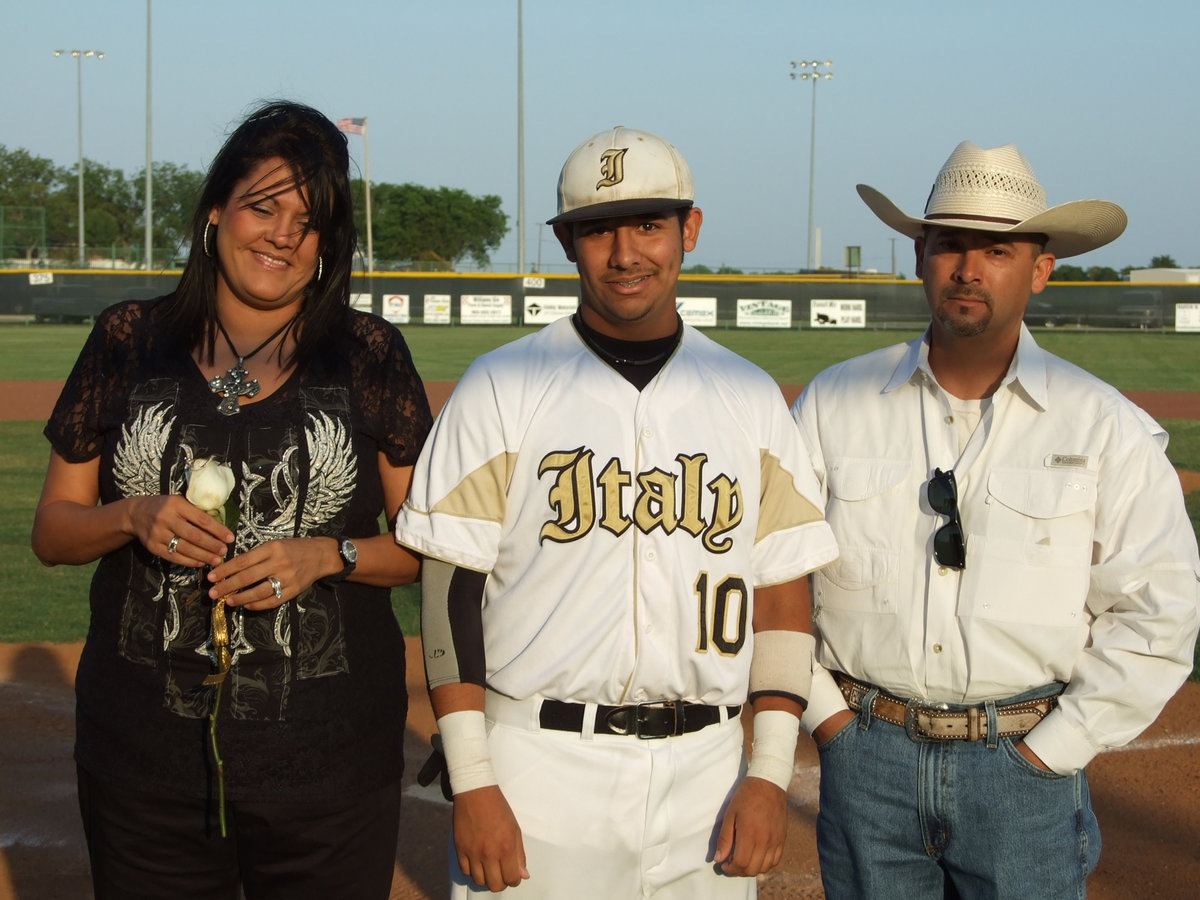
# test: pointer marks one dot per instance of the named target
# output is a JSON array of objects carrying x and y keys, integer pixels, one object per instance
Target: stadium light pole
[
  {"x": 520, "y": 140},
  {"x": 79, "y": 55},
  {"x": 807, "y": 70}
]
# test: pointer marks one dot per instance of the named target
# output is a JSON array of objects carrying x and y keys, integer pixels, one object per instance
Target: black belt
[{"x": 657, "y": 719}]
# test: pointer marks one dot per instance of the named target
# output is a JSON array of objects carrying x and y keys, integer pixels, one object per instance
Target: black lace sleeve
[
  {"x": 92, "y": 395},
  {"x": 389, "y": 391}
]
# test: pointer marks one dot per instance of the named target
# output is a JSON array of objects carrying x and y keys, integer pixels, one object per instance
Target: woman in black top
[{"x": 256, "y": 362}]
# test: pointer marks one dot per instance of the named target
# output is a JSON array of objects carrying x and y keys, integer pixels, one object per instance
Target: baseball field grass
[
  {"x": 1133, "y": 361},
  {"x": 37, "y": 603}
]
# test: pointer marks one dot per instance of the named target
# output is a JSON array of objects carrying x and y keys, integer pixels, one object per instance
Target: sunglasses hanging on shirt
[{"x": 949, "y": 548}]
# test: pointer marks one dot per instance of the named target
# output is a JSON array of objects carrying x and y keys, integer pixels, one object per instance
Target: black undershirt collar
[{"x": 635, "y": 361}]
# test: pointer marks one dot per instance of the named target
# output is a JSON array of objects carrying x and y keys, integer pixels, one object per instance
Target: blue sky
[{"x": 1094, "y": 92}]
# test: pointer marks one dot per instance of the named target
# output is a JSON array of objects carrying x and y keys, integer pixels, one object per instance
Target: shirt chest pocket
[
  {"x": 863, "y": 493},
  {"x": 1050, "y": 510},
  {"x": 1029, "y": 559}
]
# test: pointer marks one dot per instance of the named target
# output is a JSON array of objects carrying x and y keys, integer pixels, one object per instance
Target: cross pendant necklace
[{"x": 233, "y": 384}]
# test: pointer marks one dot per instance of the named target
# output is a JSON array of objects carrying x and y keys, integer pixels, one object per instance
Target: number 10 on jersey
[{"x": 726, "y": 611}]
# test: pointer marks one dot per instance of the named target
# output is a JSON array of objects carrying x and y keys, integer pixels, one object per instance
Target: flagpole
[
  {"x": 352, "y": 125},
  {"x": 367, "y": 173}
]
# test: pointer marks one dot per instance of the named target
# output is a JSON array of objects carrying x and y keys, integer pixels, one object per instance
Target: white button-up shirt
[{"x": 1081, "y": 563}]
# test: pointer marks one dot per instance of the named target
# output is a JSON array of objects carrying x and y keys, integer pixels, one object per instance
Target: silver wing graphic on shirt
[{"x": 137, "y": 460}]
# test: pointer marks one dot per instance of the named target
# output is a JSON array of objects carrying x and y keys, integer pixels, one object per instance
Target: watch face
[{"x": 349, "y": 551}]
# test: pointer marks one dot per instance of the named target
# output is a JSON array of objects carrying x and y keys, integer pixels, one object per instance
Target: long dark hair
[{"x": 315, "y": 152}]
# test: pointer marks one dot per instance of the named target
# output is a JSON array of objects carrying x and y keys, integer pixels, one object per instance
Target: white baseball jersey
[{"x": 623, "y": 531}]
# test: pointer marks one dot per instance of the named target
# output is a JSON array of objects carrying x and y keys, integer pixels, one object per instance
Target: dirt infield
[{"x": 1147, "y": 796}]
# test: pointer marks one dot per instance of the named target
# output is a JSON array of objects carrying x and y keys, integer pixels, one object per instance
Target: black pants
[{"x": 144, "y": 845}]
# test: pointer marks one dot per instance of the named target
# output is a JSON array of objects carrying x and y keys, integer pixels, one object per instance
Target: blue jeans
[{"x": 902, "y": 818}]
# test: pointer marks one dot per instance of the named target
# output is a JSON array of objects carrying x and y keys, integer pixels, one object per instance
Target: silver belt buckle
[{"x": 911, "y": 710}]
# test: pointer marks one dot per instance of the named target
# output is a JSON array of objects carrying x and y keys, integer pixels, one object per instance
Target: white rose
[{"x": 209, "y": 485}]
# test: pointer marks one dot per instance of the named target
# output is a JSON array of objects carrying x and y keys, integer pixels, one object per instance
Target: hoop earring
[
  {"x": 320, "y": 267},
  {"x": 207, "y": 251}
]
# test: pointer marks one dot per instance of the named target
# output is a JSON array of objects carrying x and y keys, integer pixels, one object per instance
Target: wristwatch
[{"x": 349, "y": 554}]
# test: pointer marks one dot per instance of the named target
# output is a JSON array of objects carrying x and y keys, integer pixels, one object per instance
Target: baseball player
[{"x": 616, "y": 514}]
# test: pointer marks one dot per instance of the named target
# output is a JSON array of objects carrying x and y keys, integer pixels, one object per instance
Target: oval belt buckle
[
  {"x": 617, "y": 720},
  {"x": 912, "y": 723}
]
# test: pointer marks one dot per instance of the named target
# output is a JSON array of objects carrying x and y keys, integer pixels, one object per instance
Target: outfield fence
[{"x": 784, "y": 301}]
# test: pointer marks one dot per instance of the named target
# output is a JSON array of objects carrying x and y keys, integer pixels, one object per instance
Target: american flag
[{"x": 353, "y": 126}]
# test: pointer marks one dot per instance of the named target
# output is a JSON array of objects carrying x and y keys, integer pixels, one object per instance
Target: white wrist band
[
  {"x": 774, "y": 751},
  {"x": 782, "y": 664},
  {"x": 465, "y": 746}
]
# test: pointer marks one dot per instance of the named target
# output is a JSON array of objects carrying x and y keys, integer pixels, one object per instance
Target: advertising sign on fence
[
  {"x": 361, "y": 301},
  {"x": 395, "y": 308},
  {"x": 764, "y": 314},
  {"x": 542, "y": 310},
  {"x": 699, "y": 312},
  {"x": 837, "y": 313},
  {"x": 486, "y": 309},
  {"x": 437, "y": 309},
  {"x": 1187, "y": 316}
]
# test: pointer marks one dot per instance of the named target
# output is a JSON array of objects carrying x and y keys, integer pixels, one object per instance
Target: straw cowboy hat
[{"x": 996, "y": 190}]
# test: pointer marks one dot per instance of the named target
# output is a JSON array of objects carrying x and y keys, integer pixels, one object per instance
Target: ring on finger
[
  {"x": 173, "y": 543},
  {"x": 277, "y": 587}
]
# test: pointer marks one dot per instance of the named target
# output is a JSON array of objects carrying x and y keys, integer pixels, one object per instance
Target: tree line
[
  {"x": 1062, "y": 271},
  {"x": 412, "y": 226},
  {"x": 1069, "y": 272}
]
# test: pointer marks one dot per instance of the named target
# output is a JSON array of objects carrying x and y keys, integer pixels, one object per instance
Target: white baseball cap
[
  {"x": 622, "y": 172},
  {"x": 996, "y": 190}
]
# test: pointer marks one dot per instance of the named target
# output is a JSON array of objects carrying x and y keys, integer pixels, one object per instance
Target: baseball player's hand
[
  {"x": 752, "y": 833},
  {"x": 488, "y": 839}
]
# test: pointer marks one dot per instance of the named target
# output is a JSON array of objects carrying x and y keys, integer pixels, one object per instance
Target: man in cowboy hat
[{"x": 1017, "y": 585}]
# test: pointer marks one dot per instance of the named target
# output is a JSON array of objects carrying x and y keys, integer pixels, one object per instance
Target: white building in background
[{"x": 1169, "y": 276}]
